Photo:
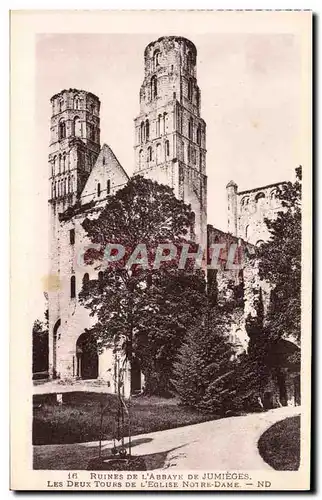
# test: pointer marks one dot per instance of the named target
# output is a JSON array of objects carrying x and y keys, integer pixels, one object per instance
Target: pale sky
[{"x": 250, "y": 99}]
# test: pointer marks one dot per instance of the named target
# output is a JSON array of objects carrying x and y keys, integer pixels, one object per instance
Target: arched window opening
[
  {"x": 85, "y": 281},
  {"x": 188, "y": 153},
  {"x": 98, "y": 189},
  {"x": 154, "y": 87},
  {"x": 165, "y": 122},
  {"x": 158, "y": 150},
  {"x": 190, "y": 89},
  {"x": 60, "y": 105},
  {"x": 275, "y": 195},
  {"x": 108, "y": 186},
  {"x": 59, "y": 164},
  {"x": 150, "y": 154},
  {"x": 199, "y": 135},
  {"x": 190, "y": 129},
  {"x": 167, "y": 148},
  {"x": 141, "y": 158},
  {"x": 159, "y": 125},
  {"x": 62, "y": 130},
  {"x": 147, "y": 130},
  {"x": 260, "y": 201},
  {"x": 56, "y": 336},
  {"x": 156, "y": 59},
  {"x": 142, "y": 132},
  {"x": 77, "y": 127},
  {"x": 77, "y": 103},
  {"x": 64, "y": 163},
  {"x": 55, "y": 165},
  {"x": 189, "y": 61},
  {"x": 72, "y": 287},
  {"x": 275, "y": 200},
  {"x": 259, "y": 196},
  {"x": 197, "y": 97},
  {"x": 86, "y": 357},
  {"x": 245, "y": 201},
  {"x": 69, "y": 185},
  {"x": 200, "y": 160},
  {"x": 72, "y": 236}
]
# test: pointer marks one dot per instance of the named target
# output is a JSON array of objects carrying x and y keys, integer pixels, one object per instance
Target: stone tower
[
  {"x": 74, "y": 144},
  {"x": 232, "y": 207},
  {"x": 73, "y": 151},
  {"x": 170, "y": 135}
]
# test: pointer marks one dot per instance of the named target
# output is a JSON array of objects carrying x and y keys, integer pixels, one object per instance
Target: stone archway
[
  {"x": 87, "y": 357},
  {"x": 56, "y": 336}
]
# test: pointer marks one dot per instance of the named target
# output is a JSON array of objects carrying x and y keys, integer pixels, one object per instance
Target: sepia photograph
[{"x": 169, "y": 283}]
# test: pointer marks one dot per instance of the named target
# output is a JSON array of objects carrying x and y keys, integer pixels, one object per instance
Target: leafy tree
[
  {"x": 145, "y": 310},
  {"x": 280, "y": 263}
]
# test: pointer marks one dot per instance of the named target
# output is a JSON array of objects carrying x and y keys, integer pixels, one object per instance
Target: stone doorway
[
  {"x": 87, "y": 357},
  {"x": 56, "y": 337}
]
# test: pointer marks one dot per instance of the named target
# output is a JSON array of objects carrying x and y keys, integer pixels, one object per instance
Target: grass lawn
[
  {"x": 279, "y": 446},
  {"x": 77, "y": 420}
]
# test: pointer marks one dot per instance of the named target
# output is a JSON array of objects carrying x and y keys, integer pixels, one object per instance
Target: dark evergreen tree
[{"x": 206, "y": 357}]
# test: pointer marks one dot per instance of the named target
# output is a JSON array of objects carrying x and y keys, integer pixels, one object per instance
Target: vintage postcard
[{"x": 161, "y": 250}]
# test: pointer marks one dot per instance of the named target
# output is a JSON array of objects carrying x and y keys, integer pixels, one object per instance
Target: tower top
[
  {"x": 170, "y": 74},
  {"x": 231, "y": 184},
  {"x": 171, "y": 39},
  {"x": 77, "y": 99},
  {"x": 75, "y": 92}
]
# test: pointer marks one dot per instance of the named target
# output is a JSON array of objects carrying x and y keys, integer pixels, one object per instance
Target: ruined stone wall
[
  {"x": 253, "y": 207},
  {"x": 240, "y": 290},
  {"x": 247, "y": 211}
]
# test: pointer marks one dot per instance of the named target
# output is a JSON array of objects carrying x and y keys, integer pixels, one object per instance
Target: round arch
[
  {"x": 87, "y": 357},
  {"x": 56, "y": 336}
]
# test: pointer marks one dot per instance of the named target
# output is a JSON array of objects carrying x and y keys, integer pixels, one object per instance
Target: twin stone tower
[{"x": 170, "y": 148}]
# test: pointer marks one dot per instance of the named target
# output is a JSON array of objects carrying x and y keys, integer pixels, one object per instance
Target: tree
[
  {"x": 39, "y": 347},
  {"x": 145, "y": 310},
  {"x": 210, "y": 376},
  {"x": 206, "y": 359},
  {"x": 280, "y": 263}
]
